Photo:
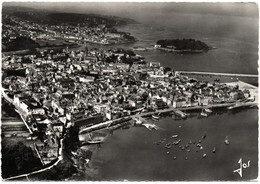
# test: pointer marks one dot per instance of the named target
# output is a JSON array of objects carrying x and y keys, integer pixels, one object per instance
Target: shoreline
[{"x": 93, "y": 168}]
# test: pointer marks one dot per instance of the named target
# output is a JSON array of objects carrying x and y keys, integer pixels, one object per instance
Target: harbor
[
  {"x": 179, "y": 112},
  {"x": 186, "y": 145}
]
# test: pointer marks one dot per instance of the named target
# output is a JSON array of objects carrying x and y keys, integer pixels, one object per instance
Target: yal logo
[{"x": 242, "y": 166}]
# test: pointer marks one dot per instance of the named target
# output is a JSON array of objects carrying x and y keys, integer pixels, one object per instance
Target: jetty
[
  {"x": 177, "y": 111},
  {"x": 216, "y": 74},
  {"x": 104, "y": 124}
]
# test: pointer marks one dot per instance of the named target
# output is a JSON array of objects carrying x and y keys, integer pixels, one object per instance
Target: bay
[{"x": 130, "y": 154}]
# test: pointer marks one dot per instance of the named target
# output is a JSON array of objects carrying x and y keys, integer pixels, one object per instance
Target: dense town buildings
[
  {"x": 16, "y": 27},
  {"x": 57, "y": 90}
]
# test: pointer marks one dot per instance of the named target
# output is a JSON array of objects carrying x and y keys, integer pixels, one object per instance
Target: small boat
[
  {"x": 204, "y": 135},
  {"x": 138, "y": 121},
  {"x": 168, "y": 146},
  {"x": 174, "y": 158},
  {"x": 177, "y": 142},
  {"x": 183, "y": 115},
  {"x": 155, "y": 117},
  {"x": 204, "y": 155},
  {"x": 174, "y": 136},
  {"x": 96, "y": 141},
  {"x": 226, "y": 141},
  {"x": 214, "y": 150},
  {"x": 203, "y": 113},
  {"x": 208, "y": 110},
  {"x": 167, "y": 152},
  {"x": 231, "y": 107}
]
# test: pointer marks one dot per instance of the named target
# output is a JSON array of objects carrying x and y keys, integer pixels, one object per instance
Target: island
[{"x": 182, "y": 45}]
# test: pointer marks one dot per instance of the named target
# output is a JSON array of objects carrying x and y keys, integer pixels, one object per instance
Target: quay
[
  {"x": 177, "y": 111},
  {"x": 216, "y": 74},
  {"x": 104, "y": 124}
]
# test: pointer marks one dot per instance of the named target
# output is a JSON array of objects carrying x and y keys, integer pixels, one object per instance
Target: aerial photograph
[{"x": 129, "y": 91}]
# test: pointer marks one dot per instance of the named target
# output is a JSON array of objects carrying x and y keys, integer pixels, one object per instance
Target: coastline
[
  {"x": 182, "y": 51},
  {"x": 142, "y": 148},
  {"x": 91, "y": 170}
]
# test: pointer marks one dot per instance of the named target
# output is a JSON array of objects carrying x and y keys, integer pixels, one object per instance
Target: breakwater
[{"x": 216, "y": 74}]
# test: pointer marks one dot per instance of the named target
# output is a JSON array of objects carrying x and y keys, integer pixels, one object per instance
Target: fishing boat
[
  {"x": 155, "y": 117},
  {"x": 231, "y": 107},
  {"x": 174, "y": 136},
  {"x": 168, "y": 146},
  {"x": 204, "y": 135},
  {"x": 208, "y": 110},
  {"x": 203, "y": 113},
  {"x": 138, "y": 121},
  {"x": 214, "y": 150},
  {"x": 150, "y": 126},
  {"x": 95, "y": 141},
  {"x": 226, "y": 141},
  {"x": 177, "y": 142}
]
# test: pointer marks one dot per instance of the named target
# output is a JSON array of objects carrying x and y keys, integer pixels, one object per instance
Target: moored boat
[
  {"x": 226, "y": 141},
  {"x": 204, "y": 135},
  {"x": 204, "y": 114},
  {"x": 155, "y": 117},
  {"x": 208, "y": 110},
  {"x": 214, "y": 150},
  {"x": 96, "y": 141},
  {"x": 231, "y": 107},
  {"x": 174, "y": 136},
  {"x": 168, "y": 146},
  {"x": 138, "y": 121}
]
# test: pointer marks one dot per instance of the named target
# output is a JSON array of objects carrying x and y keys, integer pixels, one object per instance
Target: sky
[{"x": 137, "y": 9}]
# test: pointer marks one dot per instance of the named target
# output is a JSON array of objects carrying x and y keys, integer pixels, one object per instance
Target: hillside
[{"x": 58, "y": 18}]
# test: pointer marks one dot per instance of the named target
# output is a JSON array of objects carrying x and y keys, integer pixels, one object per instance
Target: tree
[{"x": 18, "y": 159}]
